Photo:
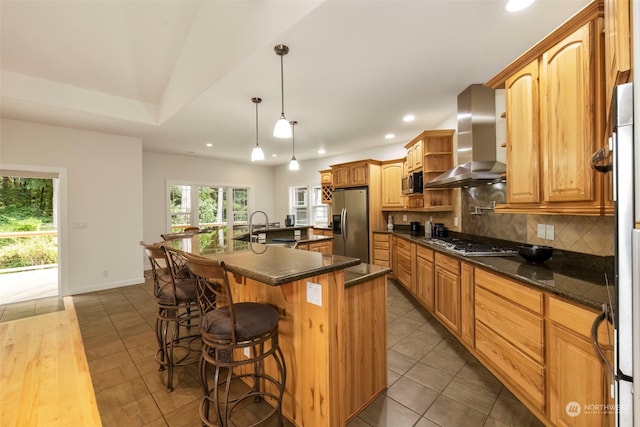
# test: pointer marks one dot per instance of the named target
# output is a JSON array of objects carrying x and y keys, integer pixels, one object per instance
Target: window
[
  {"x": 306, "y": 204},
  {"x": 208, "y": 207}
]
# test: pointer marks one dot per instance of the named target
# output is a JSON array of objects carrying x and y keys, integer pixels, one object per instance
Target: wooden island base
[{"x": 334, "y": 340}]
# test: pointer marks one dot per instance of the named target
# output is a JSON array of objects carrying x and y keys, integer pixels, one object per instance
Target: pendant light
[
  {"x": 257, "y": 153},
  {"x": 293, "y": 164},
  {"x": 282, "y": 128}
]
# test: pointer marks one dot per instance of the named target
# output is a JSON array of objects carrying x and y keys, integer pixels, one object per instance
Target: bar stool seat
[
  {"x": 237, "y": 338},
  {"x": 177, "y": 327}
]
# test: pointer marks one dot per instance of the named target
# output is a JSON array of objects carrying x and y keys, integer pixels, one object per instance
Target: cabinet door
[
  {"x": 467, "y": 316},
  {"x": 447, "y": 298},
  {"x": 523, "y": 162},
  {"x": 340, "y": 176},
  {"x": 424, "y": 278},
  {"x": 322, "y": 247},
  {"x": 392, "y": 185},
  {"x": 359, "y": 174},
  {"x": 410, "y": 166},
  {"x": 576, "y": 375},
  {"x": 617, "y": 46},
  {"x": 567, "y": 108},
  {"x": 418, "y": 156},
  {"x": 381, "y": 249}
]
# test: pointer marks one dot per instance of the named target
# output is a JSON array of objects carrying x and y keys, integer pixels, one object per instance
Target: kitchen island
[{"x": 332, "y": 327}]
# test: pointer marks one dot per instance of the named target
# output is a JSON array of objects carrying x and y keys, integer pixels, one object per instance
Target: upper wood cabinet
[
  {"x": 391, "y": 173},
  {"x": 326, "y": 184},
  {"x": 523, "y": 143},
  {"x": 415, "y": 156},
  {"x": 617, "y": 48},
  {"x": 555, "y": 121},
  {"x": 354, "y": 174}
]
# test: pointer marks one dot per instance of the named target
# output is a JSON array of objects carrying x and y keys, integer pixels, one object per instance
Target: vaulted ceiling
[{"x": 181, "y": 74}]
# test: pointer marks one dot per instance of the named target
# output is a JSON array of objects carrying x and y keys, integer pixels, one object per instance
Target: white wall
[
  {"x": 158, "y": 169},
  {"x": 103, "y": 186}
]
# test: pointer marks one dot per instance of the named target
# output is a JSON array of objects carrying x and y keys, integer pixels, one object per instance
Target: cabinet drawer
[
  {"x": 380, "y": 254},
  {"x": 425, "y": 253},
  {"x": 404, "y": 244},
  {"x": 381, "y": 240},
  {"x": 578, "y": 319},
  {"x": 513, "y": 291},
  {"x": 448, "y": 263},
  {"x": 522, "y": 372},
  {"x": 520, "y": 327}
]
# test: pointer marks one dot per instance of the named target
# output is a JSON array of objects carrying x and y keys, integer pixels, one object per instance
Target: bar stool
[
  {"x": 236, "y": 339},
  {"x": 177, "y": 310}
]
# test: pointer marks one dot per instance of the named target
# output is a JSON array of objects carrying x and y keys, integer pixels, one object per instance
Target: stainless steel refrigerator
[
  {"x": 624, "y": 311},
  {"x": 351, "y": 223}
]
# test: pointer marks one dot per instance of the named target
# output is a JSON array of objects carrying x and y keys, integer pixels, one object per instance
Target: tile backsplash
[{"x": 585, "y": 234}]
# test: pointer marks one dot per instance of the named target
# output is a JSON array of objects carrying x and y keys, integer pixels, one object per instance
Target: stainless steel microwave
[{"x": 412, "y": 183}]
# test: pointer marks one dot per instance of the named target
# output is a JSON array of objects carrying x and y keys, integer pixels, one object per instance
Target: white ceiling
[{"x": 180, "y": 74}]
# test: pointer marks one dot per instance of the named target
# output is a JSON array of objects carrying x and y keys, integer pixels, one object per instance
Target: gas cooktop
[{"x": 468, "y": 248}]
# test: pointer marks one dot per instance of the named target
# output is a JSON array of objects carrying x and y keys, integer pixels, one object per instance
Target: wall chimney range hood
[{"x": 477, "y": 162}]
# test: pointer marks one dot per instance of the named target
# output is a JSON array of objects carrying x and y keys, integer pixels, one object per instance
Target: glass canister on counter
[{"x": 428, "y": 229}]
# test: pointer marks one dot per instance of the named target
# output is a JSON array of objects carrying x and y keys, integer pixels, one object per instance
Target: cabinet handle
[{"x": 598, "y": 158}]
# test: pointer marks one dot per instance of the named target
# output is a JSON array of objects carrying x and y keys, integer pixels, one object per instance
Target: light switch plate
[
  {"x": 549, "y": 232},
  {"x": 404, "y": 217},
  {"x": 542, "y": 232},
  {"x": 247, "y": 352}
]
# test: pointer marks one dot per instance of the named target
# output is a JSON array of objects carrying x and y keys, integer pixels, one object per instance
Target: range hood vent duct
[{"x": 477, "y": 162}]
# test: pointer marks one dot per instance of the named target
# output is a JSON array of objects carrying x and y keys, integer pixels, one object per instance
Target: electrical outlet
[
  {"x": 247, "y": 352},
  {"x": 404, "y": 217},
  {"x": 455, "y": 221},
  {"x": 542, "y": 232},
  {"x": 549, "y": 233}
]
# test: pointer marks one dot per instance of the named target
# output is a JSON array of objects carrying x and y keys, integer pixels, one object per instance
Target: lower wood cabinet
[
  {"x": 323, "y": 246},
  {"x": 382, "y": 249},
  {"x": 467, "y": 309},
  {"x": 510, "y": 336},
  {"x": 424, "y": 277},
  {"x": 405, "y": 263},
  {"x": 575, "y": 371},
  {"x": 447, "y": 291}
]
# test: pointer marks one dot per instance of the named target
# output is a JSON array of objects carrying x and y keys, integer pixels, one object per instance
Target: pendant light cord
[
  {"x": 282, "y": 82},
  {"x": 256, "y": 124}
]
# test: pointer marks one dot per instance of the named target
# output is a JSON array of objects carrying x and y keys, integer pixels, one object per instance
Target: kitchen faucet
[{"x": 266, "y": 221}]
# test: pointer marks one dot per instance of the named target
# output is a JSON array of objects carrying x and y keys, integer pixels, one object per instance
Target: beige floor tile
[
  {"x": 429, "y": 376},
  {"x": 447, "y": 412},
  {"x": 386, "y": 412},
  {"x": 477, "y": 396},
  {"x": 135, "y": 413},
  {"x": 411, "y": 394}
]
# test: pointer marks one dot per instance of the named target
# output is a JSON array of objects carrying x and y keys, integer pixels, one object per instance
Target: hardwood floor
[{"x": 44, "y": 372}]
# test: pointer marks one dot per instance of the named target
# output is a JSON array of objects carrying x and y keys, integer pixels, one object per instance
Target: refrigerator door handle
[
  {"x": 606, "y": 315},
  {"x": 344, "y": 224}
]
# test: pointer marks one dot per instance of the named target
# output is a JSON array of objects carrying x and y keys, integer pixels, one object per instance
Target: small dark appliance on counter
[
  {"x": 439, "y": 230},
  {"x": 535, "y": 253},
  {"x": 415, "y": 228},
  {"x": 290, "y": 221}
]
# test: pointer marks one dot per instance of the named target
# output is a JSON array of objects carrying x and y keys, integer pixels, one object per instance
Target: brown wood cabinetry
[
  {"x": 575, "y": 371},
  {"x": 322, "y": 246},
  {"x": 382, "y": 249},
  {"x": 617, "y": 48},
  {"x": 424, "y": 277},
  {"x": 467, "y": 301},
  {"x": 447, "y": 291},
  {"x": 414, "y": 154},
  {"x": 510, "y": 333},
  {"x": 355, "y": 174},
  {"x": 322, "y": 232},
  {"x": 391, "y": 185},
  {"x": 404, "y": 262},
  {"x": 326, "y": 184},
  {"x": 555, "y": 121},
  {"x": 438, "y": 158}
]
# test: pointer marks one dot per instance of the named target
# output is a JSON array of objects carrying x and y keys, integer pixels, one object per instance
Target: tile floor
[{"x": 432, "y": 379}]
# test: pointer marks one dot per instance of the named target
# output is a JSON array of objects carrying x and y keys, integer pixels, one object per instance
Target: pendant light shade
[
  {"x": 293, "y": 164},
  {"x": 282, "y": 128},
  {"x": 257, "y": 153}
]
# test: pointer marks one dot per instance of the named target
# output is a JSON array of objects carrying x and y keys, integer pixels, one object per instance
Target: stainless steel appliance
[
  {"x": 477, "y": 154},
  {"x": 412, "y": 183},
  {"x": 468, "y": 248},
  {"x": 624, "y": 311},
  {"x": 351, "y": 223}
]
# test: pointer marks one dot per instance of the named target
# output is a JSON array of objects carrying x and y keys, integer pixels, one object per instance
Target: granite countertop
[
  {"x": 570, "y": 279},
  {"x": 272, "y": 265},
  {"x": 363, "y": 272}
]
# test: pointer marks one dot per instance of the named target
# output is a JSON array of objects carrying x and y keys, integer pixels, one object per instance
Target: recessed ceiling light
[
  {"x": 274, "y": 155},
  {"x": 209, "y": 144},
  {"x": 516, "y": 5},
  {"x": 409, "y": 118},
  {"x": 389, "y": 136},
  {"x": 321, "y": 151}
]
